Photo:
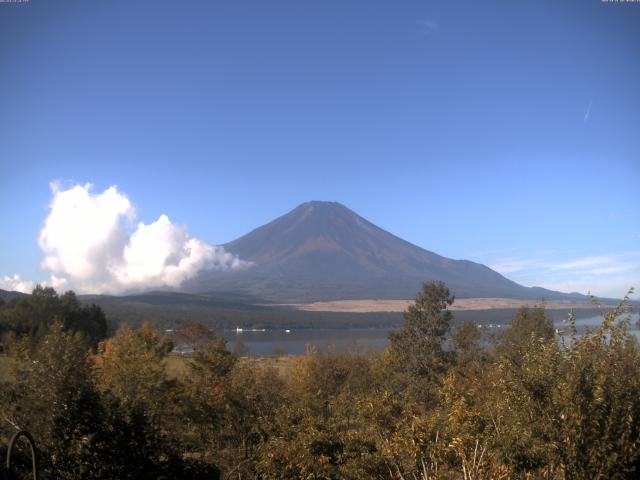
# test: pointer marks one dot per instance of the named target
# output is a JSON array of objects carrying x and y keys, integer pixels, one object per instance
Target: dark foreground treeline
[{"x": 437, "y": 404}]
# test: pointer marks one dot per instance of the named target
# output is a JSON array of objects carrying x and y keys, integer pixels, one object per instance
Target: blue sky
[{"x": 503, "y": 132}]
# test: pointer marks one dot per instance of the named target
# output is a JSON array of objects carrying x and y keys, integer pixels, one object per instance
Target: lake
[
  {"x": 584, "y": 324},
  {"x": 296, "y": 341}
]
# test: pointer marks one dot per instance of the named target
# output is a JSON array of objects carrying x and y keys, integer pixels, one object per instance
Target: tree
[
  {"x": 527, "y": 325},
  {"x": 34, "y": 314},
  {"x": 597, "y": 402},
  {"x": 144, "y": 404},
  {"x": 130, "y": 367},
  {"x": 90, "y": 320},
  {"x": 465, "y": 339},
  {"x": 417, "y": 348},
  {"x": 82, "y": 431},
  {"x": 319, "y": 431},
  {"x": 54, "y": 397},
  {"x": 193, "y": 335},
  {"x": 204, "y": 389}
]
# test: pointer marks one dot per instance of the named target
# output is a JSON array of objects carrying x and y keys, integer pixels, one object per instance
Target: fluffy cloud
[
  {"x": 162, "y": 253},
  {"x": 90, "y": 241},
  {"x": 15, "y": 284}
]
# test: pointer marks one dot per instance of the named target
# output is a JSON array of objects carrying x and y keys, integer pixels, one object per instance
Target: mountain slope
[
  {"x": 7, "y": 295},
  {"x": 324, "y": 251}
]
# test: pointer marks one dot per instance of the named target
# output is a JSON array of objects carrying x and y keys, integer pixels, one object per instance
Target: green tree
[
  {"x": 527, "y": 323},
  {"x": 203, "y": 391},
  {"x": 52, "y": 396},
  {"x": 417, "y": 349},
  {"x": 89, "y": 320},
  {"x": 79, "y": 433},
  {"x": 34, "y": 314},
  {"x": 597, "y": 402}
]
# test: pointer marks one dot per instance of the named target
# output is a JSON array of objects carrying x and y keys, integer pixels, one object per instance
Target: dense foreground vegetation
[{"x": 437, "y": 404}]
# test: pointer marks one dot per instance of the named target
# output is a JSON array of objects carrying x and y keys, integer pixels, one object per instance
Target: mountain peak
[
  {"x": 314, "y": 225},
  {"x": 324, "y": 251},
  {"x": 321, "y": 205}
]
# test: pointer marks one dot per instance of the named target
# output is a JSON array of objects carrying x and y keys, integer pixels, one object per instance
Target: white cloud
[
  {"x": 606, "y": 287},
  {"x": 608, "y": 275},
  {"x": 163, "y": 253},
  {"x": 611, "y": 269},
  {"x": 511, "y": 265},
  {"x": 89, "y": 241},
  {"x": 57, "y": 283},
  {"x": 584, "y": 262},
  {"x": 15, "y": 284},
  {"x": 83, "y": 235}
]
